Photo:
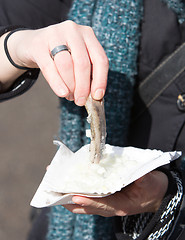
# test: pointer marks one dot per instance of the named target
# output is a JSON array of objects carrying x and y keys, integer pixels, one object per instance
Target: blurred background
[{"x": 28, "y": 125}]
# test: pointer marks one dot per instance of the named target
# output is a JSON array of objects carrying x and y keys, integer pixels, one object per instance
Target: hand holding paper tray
[{"x": 72, "y": 174}]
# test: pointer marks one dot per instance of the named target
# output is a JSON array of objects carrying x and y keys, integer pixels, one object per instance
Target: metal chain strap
[{"x": 169, "y": 210}]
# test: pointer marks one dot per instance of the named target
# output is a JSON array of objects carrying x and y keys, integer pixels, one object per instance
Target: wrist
[
  {"x": 16, "y": 49},
  {"x": 161, "y": 190},
  {"x": 8, "y": 73}
]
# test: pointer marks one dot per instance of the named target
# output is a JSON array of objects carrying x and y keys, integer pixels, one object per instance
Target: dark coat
[{"x": 162, "y": 125}]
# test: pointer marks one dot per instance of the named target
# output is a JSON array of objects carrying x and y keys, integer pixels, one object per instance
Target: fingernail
[
  {"x": 98, "y": 95},
  {"x": 78, "y": 201},
  {"x": 63, "y": 92},
  {"x": 70, "y": 97},
  {"x": 81, "y": 101}
]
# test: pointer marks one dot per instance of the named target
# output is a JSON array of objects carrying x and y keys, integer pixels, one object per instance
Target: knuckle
[
  {"x": 103, "y": 60},
  {"x": 83, "y": 63},
  {"x": 120, "y": 213},
  {"x": 51, "y": 30},
  {"x": 66, "y": 26},
  {"x": 70, "y": 24},
  {"x": 88, "y": 29},
  {"x": 66, "y": 65},
  {"x": 81, "y": 92},
  {"x": 102, "y": 207}
]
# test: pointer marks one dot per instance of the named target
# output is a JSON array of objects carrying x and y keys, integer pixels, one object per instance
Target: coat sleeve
[{"x": 21, "y": 84}]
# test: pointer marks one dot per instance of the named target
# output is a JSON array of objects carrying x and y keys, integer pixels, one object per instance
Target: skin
[
  {"x": 144, "y": 195},
  {"x": 73, "y": 75}
]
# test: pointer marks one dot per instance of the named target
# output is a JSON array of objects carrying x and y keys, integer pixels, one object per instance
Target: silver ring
[{"x": 58, "y": 49}]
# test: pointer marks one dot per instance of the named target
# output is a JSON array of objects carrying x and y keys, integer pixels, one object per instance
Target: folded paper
[{"x": 72, "y": 174}]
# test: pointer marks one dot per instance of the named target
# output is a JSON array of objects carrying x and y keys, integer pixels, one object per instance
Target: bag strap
[{"x": 153, "y": 85}]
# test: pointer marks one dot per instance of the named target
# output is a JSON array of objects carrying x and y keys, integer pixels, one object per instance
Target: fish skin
[{"x": 96, "y": 118}]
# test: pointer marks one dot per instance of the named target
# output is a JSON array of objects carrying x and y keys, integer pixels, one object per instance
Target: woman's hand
[
  {"x": 70, "y": 75},
  {"x": 144, "y": 195}
]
